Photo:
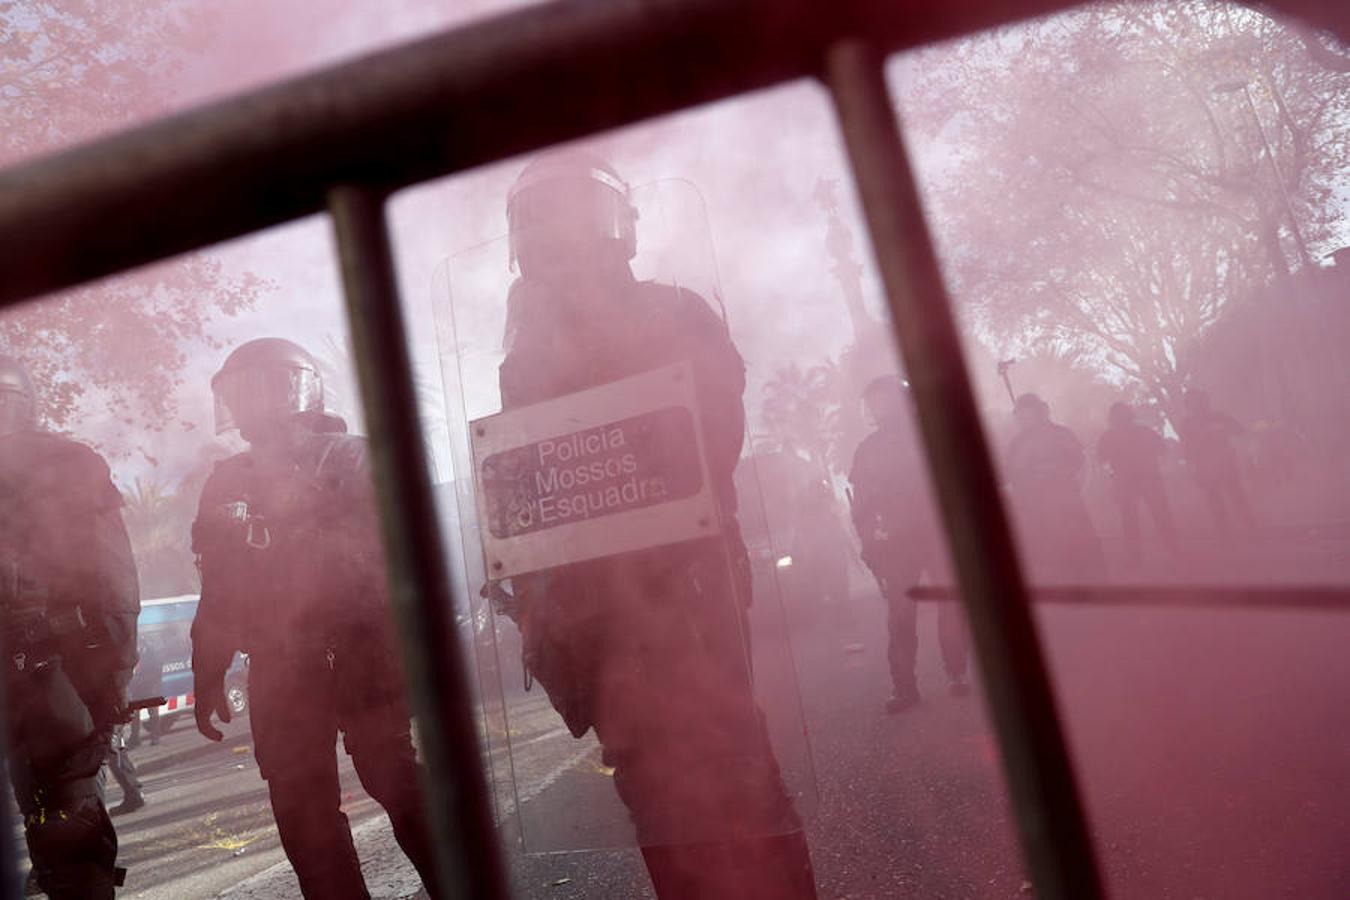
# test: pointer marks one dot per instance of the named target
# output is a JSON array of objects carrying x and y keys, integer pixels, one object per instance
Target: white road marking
[{"x": 534, "y": 790}]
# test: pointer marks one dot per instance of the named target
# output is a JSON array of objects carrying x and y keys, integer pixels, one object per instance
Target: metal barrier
[
  {"x": 1286, "y": 597},
  {"x": 490, "y": 90}
]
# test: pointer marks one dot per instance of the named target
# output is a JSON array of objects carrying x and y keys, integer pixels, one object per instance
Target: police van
[{"x": 164, "y": 638}]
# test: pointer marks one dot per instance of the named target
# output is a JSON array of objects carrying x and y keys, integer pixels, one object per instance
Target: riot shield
[{"x": 633, "y": 657}]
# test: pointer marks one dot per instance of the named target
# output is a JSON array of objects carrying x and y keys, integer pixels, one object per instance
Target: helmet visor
[
  {"x": 255, "y": 396},
  {"x": 567, "y": 220},
  {"x": 568, "y": 204}
]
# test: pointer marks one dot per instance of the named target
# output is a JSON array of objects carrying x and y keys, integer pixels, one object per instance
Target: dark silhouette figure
[
  {"x": 647, "y": 647},
  {"x": 293, "y": 574},
  {"x": 896, "y": 521},
  {"x": 1207, "y": 441},
  {"x": 70, "y": 598},
  {"x": 1044, "y": 466},
  {"x": 147, "y": 682},
  {"x": 1133, "y": 452},
  {"x": 124, "y": 773}
]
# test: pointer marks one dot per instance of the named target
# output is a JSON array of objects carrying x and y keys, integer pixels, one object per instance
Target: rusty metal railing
[{"x": 341, "y": 139}]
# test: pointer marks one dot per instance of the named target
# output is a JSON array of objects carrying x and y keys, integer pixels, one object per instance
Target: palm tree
[
  {"x": 342, "y": 395},
  {"x": 801, "y": 411},
  {"x": 159, "y": 524}
]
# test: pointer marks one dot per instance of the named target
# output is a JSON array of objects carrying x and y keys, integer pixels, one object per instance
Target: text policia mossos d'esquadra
[{"x": 590, "y": 473}]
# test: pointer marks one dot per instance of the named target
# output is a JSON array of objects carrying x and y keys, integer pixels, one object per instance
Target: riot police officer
[
  {"x": 896, "y": 521},
  {"x": 648, "y": 647},
  {"x": 70, "y": 601},
  {"x": 292, "y": 574}
]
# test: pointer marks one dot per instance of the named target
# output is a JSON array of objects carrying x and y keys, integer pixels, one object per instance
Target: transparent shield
[{"x": 634, "y": 662}]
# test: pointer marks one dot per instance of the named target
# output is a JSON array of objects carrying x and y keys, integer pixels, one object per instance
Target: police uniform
[
  {"x": 293, "y": 575},
  {"x": 894, "y": 515},
  {"x": 649, "y": 648},
  {"x": 71, "y": 602}
]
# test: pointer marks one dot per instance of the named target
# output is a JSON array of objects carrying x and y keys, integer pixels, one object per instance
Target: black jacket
[
  {"x": 892, "y": 503},
  {"x": 63, "y": 530},
  {"x": 289, "y": 552},
  {"x": 571, "y": 616},
  {"x": 554, "y": 350}
]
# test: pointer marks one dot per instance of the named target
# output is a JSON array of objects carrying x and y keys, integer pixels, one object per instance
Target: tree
[
  {"x": 159, "y": 524},
  {"x": 70, "y": 71},
  {"x": 1076, "y": 393},
  {"x": 342, "y": 397},
  {"x": 1278, "y": 360},
  {"x": 801, "y": 409},
  {"x": 159, "y": 538},
  {"x": 1106, "y": 189}
]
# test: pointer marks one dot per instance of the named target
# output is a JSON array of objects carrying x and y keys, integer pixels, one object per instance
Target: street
[
  {"x": 207, "y": 829},
  {"x": 1213, "y": 748}
]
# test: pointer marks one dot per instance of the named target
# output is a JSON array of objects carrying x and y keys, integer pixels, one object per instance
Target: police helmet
[
  {"x": 890, "y": 384},
  {"x": 570, "y": 210},
  {"x": 18, "y": 399},
  {"x": 884, "y": 397},
  {"x": 263, "y": 382}
]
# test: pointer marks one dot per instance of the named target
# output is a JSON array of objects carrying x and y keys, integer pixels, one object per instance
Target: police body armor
[
  {"x": 293, "y": 575},
  {"x": 70, "y": 597},
  {"x": 287, "y": 549},
  {"x": 663, "y": 324},
  {"x": 645, "y": 653},
  {"x": 892, "y": 505}
]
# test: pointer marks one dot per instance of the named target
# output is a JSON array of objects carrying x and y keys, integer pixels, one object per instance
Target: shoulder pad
[
  {"x": 676, "y": 298},
  {"x": 58, "y": 464}
]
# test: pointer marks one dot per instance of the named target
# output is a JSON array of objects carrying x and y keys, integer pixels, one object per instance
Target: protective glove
[
  {"x": 107, "y": 704},
  {"x": 208, "y": 700}
]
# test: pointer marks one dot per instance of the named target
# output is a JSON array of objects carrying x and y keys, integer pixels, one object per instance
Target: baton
[
  {"x": 136, "y": 706},
  {"x": 1003, "y": 367}
]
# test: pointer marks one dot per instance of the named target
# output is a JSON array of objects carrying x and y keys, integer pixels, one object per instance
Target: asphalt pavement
[{"x": 1213, "y": 748}]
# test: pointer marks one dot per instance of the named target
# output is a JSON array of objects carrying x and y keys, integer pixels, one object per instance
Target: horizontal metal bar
[
  {"x": 439, "y": 105},
  {"x": 1206, "y": 596},
  {"x": 1044, "y": 793},
  {"x": 468, "y": 864},
  {"x": 11, "y": 885}
]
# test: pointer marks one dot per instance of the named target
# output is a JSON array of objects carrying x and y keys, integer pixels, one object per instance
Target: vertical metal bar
[
  {"x": 1045, "y": 797},
  {"x": 11, "y": 887},
  {"x": 469, "y": 864}
]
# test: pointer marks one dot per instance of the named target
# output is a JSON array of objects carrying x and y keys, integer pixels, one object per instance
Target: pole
[
  {"x": 468, "y": 863},
  {"x": 1036, "y": 761},
  {"x": 1003, "y": 367}
]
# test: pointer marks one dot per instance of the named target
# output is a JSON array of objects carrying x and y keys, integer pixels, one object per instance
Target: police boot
[
  {"x": 74, "y": 851},
  {"x": 129, "y": 804}
]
